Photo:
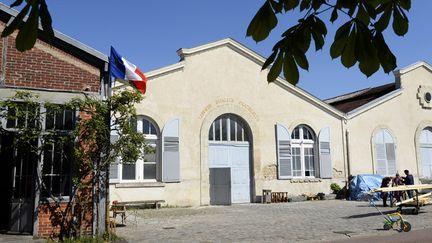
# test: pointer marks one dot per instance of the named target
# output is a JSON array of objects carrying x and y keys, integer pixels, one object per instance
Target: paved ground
[{"x": 309, "y": 221}]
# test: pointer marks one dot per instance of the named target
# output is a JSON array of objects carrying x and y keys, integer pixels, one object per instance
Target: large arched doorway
[{"x": 229, "y": 160}]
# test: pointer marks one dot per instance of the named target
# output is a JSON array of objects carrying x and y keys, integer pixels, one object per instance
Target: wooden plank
[
  {"x": 402, "y": 188},
  {"x": 414, "y": 199}
]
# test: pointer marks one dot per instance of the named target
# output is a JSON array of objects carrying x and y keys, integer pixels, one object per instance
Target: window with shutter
[
  {"x": 303, "y": 152},
  {"x": 385, "y": 153},
  {"x": 146, "y": 169},
  {"x": 283, "y": 146},
  {"x": 426, "y": 152}
]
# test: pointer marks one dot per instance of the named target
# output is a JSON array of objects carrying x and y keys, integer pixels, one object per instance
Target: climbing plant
[{"x": 31, "y": 123}]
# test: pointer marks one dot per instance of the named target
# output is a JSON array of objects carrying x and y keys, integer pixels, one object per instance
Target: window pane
[
  {"x": 150, "y": 171},
  {"x": 232, "y": 129},
  {"x": 211, "y": 137},
  {"x": 11, "y": 122},
  {"x": 217, "y": 130},
  {"x": 224, "y": 129},
  {"x": 296, "y": 161},
  {"x": 47, "y": 162},
  {"x": 239, "y": 132},
  {"x": 306, "y": 133},
  {"x": 59, "y": 120},
  {"x": 152, "y": 129},
  {"x": 69, "y": 120},
  {"x": 296, "y": 133},
  {"x": 57, "y": 159},
  {"x": 49, "y": 120},
  {"x": 47, "y": 185},
  {"x": 55, "y": 189},
  {"x": 128, "y": 172},
  {"x": 146, "y": 126}
]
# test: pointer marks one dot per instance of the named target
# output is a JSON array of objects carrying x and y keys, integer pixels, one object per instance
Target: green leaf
[
  {"x": 305, "y": 4},
  {"x": 290, "y": 70},
  {"x": 362, "y": 15},
  {"x": 277, "y": 6},
  {"x": 302, "y": 39},
  {"x": 352, "y": 9},
  {"x": 319, "y": 26},
  {"x": 386, "y": 57},
  {"x": 348, "y": 58},
  {"x": 269, "y": 60},
  {"x": 291, "y": 4},
  {"x": 370, "y": 8},
  {"x": 316, "y": 4},
  {"x": 262, "y": 24},
  {"x": 46, "y": 20},
  {"x": 340, "y": 40},
  {"x": 334, "y": 15},
  {"x": 16, "y": 3},
  {"x": 367, "y": 54},
  {"x": 384, "y": 20},
  {"x": 302, "y": 61},
  {"x": 405, "y": 4},
  {"x": 15, "y": 23},
  {"x": 26, "y": 37},
  {"x": 400, "y": 23},
  {"x": 318, "y": 39},
  {"x": 276, "y": 69}
]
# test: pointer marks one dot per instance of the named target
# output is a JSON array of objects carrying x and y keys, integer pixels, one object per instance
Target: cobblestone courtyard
[{"x": 286, "y": 222}]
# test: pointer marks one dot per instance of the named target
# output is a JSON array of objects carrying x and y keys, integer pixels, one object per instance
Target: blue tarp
[{"x": 363, "y": 183}]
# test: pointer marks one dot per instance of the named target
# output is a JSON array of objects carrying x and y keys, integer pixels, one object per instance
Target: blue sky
[{"x": 148, "y": 33}]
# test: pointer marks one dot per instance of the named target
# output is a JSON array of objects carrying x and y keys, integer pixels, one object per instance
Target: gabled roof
[
  {"x": 356, "y": 99},
  {"x": 253, "y": 56},
  {"x": 62, "y": 41},
  {"x": 412, "y": 67}
]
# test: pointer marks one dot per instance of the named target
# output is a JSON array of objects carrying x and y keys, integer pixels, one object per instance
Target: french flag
[{"x": 120, "y": 68}]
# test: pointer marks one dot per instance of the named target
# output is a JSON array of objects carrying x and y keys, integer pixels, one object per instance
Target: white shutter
[
  {"x": 171, "y": 151},
  {"x": 391, "y": 158},
  {"x": 283, "y": 146},
  {"x": 381, "y": 159},
  {"x": 326, "y": 167}
]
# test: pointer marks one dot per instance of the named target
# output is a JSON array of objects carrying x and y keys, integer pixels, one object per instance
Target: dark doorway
[
  {"x": 17, "y": 185},
  {"x": 220, "y": 186}
]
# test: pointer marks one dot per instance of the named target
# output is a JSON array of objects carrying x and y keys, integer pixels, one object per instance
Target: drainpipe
[
  {"x": 345, "y": 147},
  {"x": 348, "y": 152}
]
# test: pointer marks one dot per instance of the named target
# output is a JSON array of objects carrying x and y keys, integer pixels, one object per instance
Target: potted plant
[{"x": 336, "y": 190}]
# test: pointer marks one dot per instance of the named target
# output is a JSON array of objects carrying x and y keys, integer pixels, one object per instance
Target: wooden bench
[
  {"x": 139, "y": 204},
  {"x": 277, "y": 197},
  {"x": 120, "y": 208}
]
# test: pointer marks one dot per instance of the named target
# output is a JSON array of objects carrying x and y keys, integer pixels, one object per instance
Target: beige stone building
[{"x": 222, "y": 134}]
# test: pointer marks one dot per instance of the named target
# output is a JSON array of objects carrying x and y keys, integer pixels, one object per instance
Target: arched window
[
  {"x": 228, "y": 127},
  {"x": 385, "y": 153},
  {"x": 147, "y": 168},
  {"x": 150, "y": 165},
  {"x": 303, "y": 152},
  {"x": 426, "y": 151}
]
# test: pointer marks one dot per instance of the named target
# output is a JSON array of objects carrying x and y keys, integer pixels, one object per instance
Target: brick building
[{"x": 57, "y": 71}]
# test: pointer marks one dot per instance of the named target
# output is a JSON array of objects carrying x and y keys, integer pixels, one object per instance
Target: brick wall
[
  {"x": 52, "y": 216},
  {"x": 47, "y": 67}
]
